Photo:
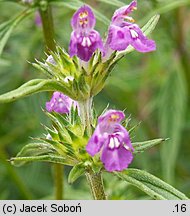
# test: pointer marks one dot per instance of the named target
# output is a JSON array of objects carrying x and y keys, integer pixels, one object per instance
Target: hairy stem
[
  {"x": 48, "y": 31},
  {"x": 94, "y": 179},
  {"x": 96, "y": 185},
  {"x": 86, "y": 114}
]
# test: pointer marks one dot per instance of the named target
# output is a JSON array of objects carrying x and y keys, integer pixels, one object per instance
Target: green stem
[
  {"x": 182, "y": 48},
  {"x": 48, "y": 27},
  {"x": 96, "y": 185},
  {"x": 48, "y": 31},
  {"x": 86, "y": 114},
  {"x": 58, "y": 169},
  {"x": 94, "y": 179}
]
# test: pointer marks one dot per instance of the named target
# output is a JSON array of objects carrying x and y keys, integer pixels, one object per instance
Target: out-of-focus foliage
[{"x": 154, "y": 88}]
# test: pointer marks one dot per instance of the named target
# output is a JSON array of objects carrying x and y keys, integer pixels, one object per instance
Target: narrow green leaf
[
  {"x": 165, "y": 7},
  {"x": 72, "y": 115},
  {"x": 7, "y": 27},
  {"x": 64, "y": 149},
  {"x": 60, "y": 123},
  {"x": 33, "y": 149},
  {"x": 151, "y": 185},
  {"x": 42, "y": 69},
  {"x": 134, "y": 128},
  {"x": 18, "y": 161},
  {"x": 126, "y": 122},
  {"x": 14, "y": 1},
  {"x": 113, "y": 2},
  {"x": 172, "y": 105},
  {"x": 142, "y": 146},
  {"x": 149, "y": 27},
  {"x": 52, "y": 133},
  {"x": 76, "y": 172},
  {"x": 32, "y": 87},
  {"x": 101, "y": 17},
  {"x": 4, "y": 25},
  {"x": 61, "y": 119},
  {"x": 72, "y": 135}
]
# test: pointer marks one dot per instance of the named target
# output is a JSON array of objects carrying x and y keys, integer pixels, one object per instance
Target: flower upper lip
[
  {"x": 84, "y": 39},
  {"x": 124, "y": 11}
]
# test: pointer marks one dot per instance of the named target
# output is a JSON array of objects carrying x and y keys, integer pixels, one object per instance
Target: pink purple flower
[
  {"x": 38, "y": 20},
  {"x": 84, "y": 39},
  {"x": 60, "y": 103},
  {"x": 123, "y": 33},
  {"x": 27, "y": 1},
  {"x": 113, "y": 140}
]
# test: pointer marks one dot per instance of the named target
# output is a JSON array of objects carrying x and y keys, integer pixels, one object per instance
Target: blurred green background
[{"x": 154, "y": 89}]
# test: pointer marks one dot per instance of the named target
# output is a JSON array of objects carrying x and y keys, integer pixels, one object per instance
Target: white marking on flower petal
[
  {"x": 114, "y": 143},
  {"x": 127, "y": 147},
  {"x": 86, "y": 42},
  {"x": 117, "y": 143},
  {"x": 83, "y": 41},
  {"x": 134, "y": 34},
  {"x": 111, "y": 144},
  {"x": 60, "y": 100}
]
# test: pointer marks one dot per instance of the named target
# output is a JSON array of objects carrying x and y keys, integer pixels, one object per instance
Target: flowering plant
[{"x": 77, "y": 137}]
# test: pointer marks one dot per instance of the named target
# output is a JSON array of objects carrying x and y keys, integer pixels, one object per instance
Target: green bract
[
  {"x": 88, "y": 80},
  {"x": 65, "y": 143}
]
